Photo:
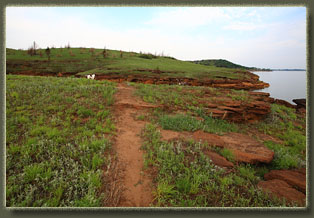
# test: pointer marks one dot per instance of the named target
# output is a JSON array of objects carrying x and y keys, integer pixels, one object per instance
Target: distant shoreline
[
  {"x": 288, "y": 69},
  {"x": 277, "y": 70}
]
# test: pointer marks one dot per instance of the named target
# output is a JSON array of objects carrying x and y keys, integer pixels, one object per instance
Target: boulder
[
  {"x": 282, "y": 189},
  {"x": 295, "y": 178},
  {"x": 217, "y": 159},
  {"x": 301, "y": 103}
]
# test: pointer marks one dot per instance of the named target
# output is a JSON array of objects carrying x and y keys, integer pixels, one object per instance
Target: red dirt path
[{"x": 136, "y": 184}]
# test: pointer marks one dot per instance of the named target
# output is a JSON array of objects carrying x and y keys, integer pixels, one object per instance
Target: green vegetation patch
[
  {"x": 58, "y": 132},
  {"x": 181, "y": 122},
  {"x": 285, "y": 124},
  {"x": 285, "y": 156}
]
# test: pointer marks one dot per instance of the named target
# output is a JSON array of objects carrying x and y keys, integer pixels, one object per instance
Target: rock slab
[
  {"x": 282, "y": 189},
  {"x": 297, "y": 179},
  {"x": 245, "y": 148},
  {"x": 288, "y": 184}
]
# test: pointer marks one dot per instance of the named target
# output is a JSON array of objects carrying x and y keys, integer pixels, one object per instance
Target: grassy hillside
[
  {"x": 84, "y": 61},
  {"x": 224, "y": 63},
  {"x": 58, "y": 135}
]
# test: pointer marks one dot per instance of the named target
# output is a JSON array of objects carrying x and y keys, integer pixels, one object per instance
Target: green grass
[
  {"x": 285, "y": 157},
  {"x": 239, "y": 95},
  {"x": 228, "y": 154},
  {"x": 57, "y": 133},
  {"x": 187, "y": 178},
  {"x": 285, "y": 124},
  {"x": 83, "y": 62},
  {"x": 181, "y": 122}
]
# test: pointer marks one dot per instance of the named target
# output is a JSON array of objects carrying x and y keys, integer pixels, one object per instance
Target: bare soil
[{"x": 136, "y": 183}]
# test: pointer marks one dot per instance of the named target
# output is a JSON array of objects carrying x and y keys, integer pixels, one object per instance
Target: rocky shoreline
[{"x": 252, "y": 83}]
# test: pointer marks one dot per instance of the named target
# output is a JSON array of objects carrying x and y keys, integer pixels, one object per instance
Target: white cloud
[
  {"x": 188, "y": 17},
  {"x": 243, "y": 26}
]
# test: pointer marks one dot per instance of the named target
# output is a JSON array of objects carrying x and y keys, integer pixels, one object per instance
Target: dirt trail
[{"x": 136, "y": 185}]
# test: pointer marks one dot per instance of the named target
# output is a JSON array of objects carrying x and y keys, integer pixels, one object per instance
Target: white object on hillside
[
  {"x": 93, "y": 76},
  {"x": 88, "y": 76}
]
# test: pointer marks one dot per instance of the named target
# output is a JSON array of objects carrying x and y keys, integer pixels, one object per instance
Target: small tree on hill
[
  {"x": 104, "y": 52},
  {"x": 35, "y": 47},
  {"x": 32, "y": 50},
  {"x": 48, "y": 53},
  {"x": 91, "y": 50},
  {"x": 68, "y": 46}
]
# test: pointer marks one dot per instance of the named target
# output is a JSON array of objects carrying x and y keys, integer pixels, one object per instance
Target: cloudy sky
[{"x": 267, "y": 37}]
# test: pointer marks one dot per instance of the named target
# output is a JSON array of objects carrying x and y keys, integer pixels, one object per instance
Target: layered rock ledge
[
  {"x": 287, "y": 184},
  {"x": 247, "y": 84}
]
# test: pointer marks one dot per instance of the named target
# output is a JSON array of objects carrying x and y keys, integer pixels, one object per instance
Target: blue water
[{"x": 285, "y": 85}]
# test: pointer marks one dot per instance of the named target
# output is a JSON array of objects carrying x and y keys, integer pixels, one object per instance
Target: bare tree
[
  {"x": 32, "y": 50},
  {"x": 35, "y": 47}
]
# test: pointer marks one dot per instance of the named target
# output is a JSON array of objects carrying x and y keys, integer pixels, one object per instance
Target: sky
[{"x": 265, "y": 37}]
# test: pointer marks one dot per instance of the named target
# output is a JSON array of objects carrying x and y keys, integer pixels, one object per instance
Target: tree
[
  {"x": 32, "y": 50},
  {"x": 48, "y": 53},
  {"x": 104, "y": 52},
  {"x": 35, "y": 47},
  {"x": 68, "y": 46}
]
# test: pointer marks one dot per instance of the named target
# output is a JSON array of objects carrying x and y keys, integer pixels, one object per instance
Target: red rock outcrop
[
  {"x": 288, "y": 184},
  {"x": 282, "y": 189},
  {"x": 301, "y": 105},
  {"x": 296, "y": 179},
  {"x": 254, "y": 109},
  {"x": 247, "y": 84}
]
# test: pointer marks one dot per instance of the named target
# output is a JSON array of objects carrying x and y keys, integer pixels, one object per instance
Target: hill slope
[
  {"x": 83, "y": 61},
  {"x": 224, "y": 63}
]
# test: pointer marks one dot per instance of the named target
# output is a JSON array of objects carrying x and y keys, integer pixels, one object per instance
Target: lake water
[{"x": 285, "y": 85}]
